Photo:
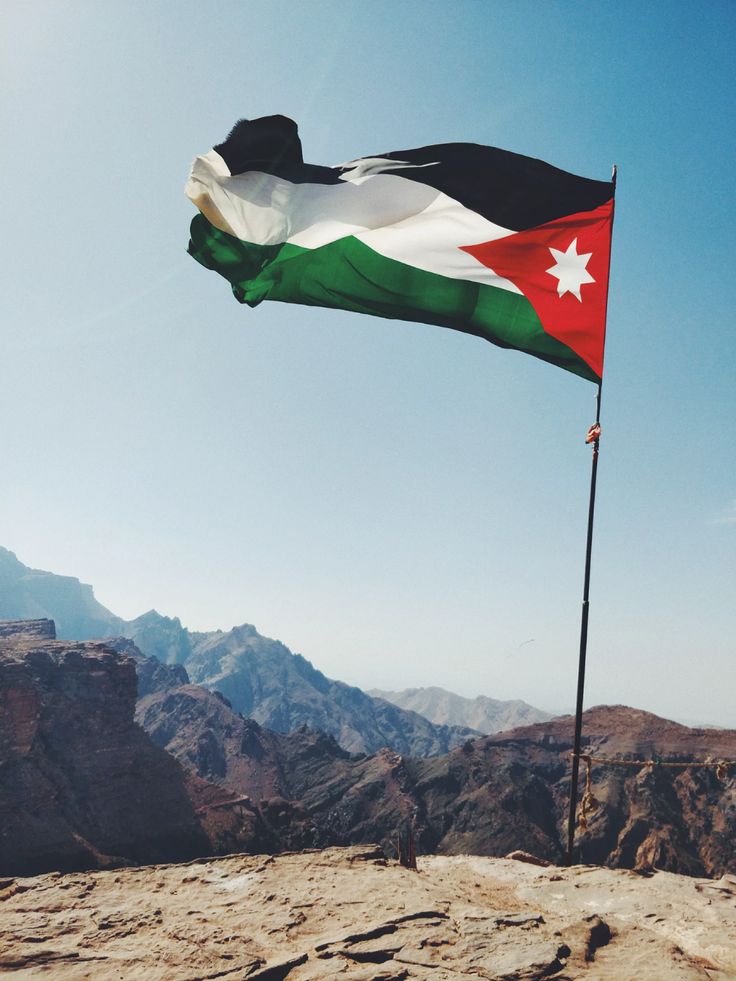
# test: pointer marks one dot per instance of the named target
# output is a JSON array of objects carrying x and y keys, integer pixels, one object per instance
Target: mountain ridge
[
  {"x": 493, "y": 794},
  {"x": 261, "y": 677},
  {"x": 33, "y": 594},
  {"x": 482, "y": 713},
  {"x": 71, "y": 755}
]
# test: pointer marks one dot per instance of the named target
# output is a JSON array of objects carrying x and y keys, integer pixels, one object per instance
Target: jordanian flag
[{"x": 470, "y": 237}]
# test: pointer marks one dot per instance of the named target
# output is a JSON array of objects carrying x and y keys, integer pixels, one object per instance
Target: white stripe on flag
[{"x": 400, "y": 219}]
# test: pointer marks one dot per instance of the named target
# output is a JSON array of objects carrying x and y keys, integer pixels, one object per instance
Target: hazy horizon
[{"x": 555, "y": 710}]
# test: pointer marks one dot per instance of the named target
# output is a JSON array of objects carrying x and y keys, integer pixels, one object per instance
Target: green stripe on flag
[{"x": 348, "y": 275}]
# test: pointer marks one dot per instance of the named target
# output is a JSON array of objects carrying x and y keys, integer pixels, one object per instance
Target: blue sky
[{"x": 403, "y": 505}]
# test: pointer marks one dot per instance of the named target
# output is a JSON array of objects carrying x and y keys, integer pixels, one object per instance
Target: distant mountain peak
[
  {"x": 482, "y": 713},
  {"x": 242, "y": 630},
  {"x": 32, "y": 594}
]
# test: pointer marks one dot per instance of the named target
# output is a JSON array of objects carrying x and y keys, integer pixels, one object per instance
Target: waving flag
[{"x": 464, "y": 236}]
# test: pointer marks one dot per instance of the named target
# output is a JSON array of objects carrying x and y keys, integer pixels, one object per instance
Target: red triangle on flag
[{"x": 561, "y": 267}]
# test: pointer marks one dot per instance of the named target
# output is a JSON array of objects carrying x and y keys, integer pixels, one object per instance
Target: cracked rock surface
[{"x": 347, "y": 913}]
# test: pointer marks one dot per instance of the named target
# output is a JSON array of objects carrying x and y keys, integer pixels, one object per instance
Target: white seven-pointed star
[{"x": 569, "y": 268}]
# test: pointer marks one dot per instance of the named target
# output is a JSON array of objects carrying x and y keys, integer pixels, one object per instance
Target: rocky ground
[{"x": 348, "y": 913}]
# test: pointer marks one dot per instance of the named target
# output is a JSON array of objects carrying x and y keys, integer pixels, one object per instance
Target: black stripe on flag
[
  {"x": 507, "y": 188},
  {"x": 510, "y": 189},
  {"x": 272, "y": 145}
]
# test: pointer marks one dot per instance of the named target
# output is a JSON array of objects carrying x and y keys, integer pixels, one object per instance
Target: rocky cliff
[
  {"x": 81, "y": 785},
  {"x": 680, "y": 819},
  {"x": 27, "y": 630}
]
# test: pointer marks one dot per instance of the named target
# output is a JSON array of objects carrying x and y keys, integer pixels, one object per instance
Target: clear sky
[{"x": 402, "y": 504}]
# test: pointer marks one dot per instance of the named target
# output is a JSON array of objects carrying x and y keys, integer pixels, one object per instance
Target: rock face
[
  {"x": 152, "y": 675},
  {"x": 27, "y": 629},
  {"x": 351, "y": 914},
  {"x": 486, "y": 715},
  {"x": 200, "y": 728},
  {"x": 683, "y": 820},
  {"x": 309, "y": 791},
  {"x": 81, "y": 786}
]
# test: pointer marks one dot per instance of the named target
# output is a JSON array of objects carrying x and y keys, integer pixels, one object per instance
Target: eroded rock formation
[{"x": 81, "y": 785}]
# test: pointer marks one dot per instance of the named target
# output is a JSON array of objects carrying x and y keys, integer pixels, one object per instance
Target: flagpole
[
  {"x": 596, "y": 430},
  {"x": 583, "y": 636}
]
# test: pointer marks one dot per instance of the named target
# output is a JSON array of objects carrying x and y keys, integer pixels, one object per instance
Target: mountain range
[
  {"x": 493, "y": 794},
  {"x": 82, "y": 786},
  {"x": 241, "y": 744},
  {"x": 261, "y": 678}
]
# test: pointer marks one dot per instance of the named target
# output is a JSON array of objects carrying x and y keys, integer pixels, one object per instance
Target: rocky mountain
[
  {"x": 152, "y": 675},
  {"x": 32, "y": 594},
  {"x": 161, "y": 637},
  {"x": 263, "y": 680},
  {"x": 679, "y": 819},
  {"x": 282, "y": 691},
  {"x": 261, "y": 677},
  {"x": 201, "y": 730},
  {"x": 251, "y": 787},
  {"x": 486, "y": 715},
  {"x": 82, "y": 786},
  {"x": 493, "y": 795}
]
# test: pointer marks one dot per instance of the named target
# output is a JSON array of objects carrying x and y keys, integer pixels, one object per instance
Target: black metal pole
[
  {"x": 586, "y": 605},
  {"x": 583, "y": 641}
]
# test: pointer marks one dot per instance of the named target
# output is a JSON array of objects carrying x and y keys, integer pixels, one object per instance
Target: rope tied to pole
[
  {"x": 589, "y": 803},
  {"x": 594, "y": 433}
]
